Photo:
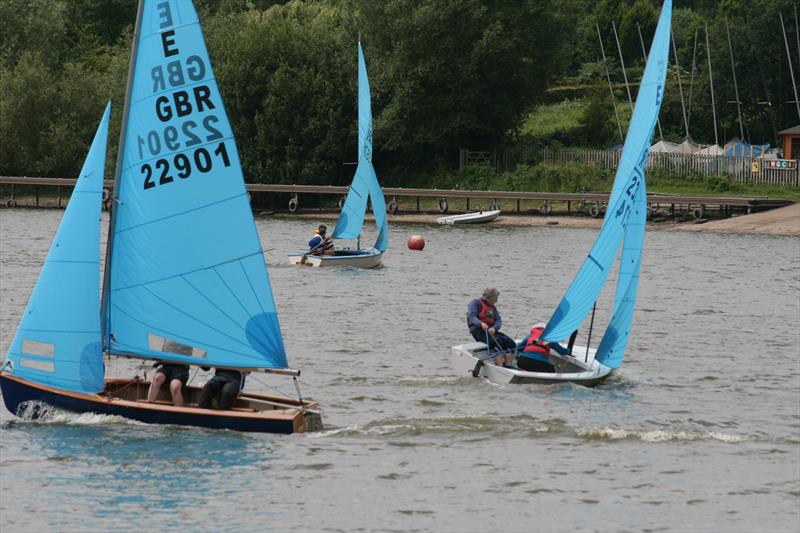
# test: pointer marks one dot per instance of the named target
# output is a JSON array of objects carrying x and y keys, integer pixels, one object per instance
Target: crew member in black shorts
[{"x": 176, "y": 375}]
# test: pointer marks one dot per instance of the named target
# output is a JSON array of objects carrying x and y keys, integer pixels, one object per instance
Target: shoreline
[{"x": 781, "y": 221}]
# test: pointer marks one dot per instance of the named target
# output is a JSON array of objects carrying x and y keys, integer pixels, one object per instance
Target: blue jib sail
[
  {"x": 58, "y": 339},
  {"x": 625, "y": 216},
  {"x": 611, "y": 350},
  {"x": 188, "y": 281},
  {"x": 365, "y": 182}
]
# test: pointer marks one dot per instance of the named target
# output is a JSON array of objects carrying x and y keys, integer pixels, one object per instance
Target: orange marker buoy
[{"x": 416, "y": 242}]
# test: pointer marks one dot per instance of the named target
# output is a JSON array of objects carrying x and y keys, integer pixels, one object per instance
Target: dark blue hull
[{"x": 17, "y": 393}]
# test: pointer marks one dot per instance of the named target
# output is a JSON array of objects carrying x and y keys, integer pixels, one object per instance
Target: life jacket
[
  {"x": 487, "y": 313},
  {"x": 316, "y": 242},
  {"x": 541, "y": 349}
]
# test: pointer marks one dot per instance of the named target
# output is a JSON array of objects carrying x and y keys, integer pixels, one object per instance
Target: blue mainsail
[
  {"x": 624, "y": 217},
  {"x": 365, "y": 182},
  {"x": 188, "y": 282},
  {"x": 58, "y": 339}
]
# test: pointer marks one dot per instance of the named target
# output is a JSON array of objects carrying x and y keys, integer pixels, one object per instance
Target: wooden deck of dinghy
[{"x": 128, "y": 398}]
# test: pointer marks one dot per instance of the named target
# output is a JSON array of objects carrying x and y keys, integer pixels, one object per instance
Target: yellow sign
[{"x": 756, "y": 167}]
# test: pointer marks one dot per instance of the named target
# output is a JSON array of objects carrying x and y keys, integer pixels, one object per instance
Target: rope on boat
[
  {"x": 276, "y": 389},
  {"x": 299, "y": 394}
]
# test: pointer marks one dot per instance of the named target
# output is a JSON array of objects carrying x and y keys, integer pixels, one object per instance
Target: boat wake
[
  {"x": 493, "y": 427},
  {"x": 660, "y": 435},
  {"x": 42, "y": 413}
]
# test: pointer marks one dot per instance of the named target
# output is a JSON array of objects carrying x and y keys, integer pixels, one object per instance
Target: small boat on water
[
  {"x": 185, "y": 281},
  {"x": 365, "y": 185},
  {"x": 478, "y": 217},
  {"x": 623, "y": 226}
]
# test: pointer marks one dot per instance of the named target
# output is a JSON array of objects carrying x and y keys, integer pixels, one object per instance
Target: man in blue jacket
[
  {"x": 320, "y": 244},
  {"x": 483, "y": 319}
]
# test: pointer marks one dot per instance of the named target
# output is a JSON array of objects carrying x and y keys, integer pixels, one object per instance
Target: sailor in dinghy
[
  {"x": 364, "y": 186},
  {"x": 623, "y": 227},
  {"x": 185, "y": 281}
]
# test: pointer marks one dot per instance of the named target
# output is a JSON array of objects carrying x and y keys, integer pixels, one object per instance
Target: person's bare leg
[
  {"x": 155, "y": 386},
  {"x": 175, "y": 387}
]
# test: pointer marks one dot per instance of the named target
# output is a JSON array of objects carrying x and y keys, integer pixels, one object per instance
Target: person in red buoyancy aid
[
  {"x": 534, "y": 355},
  {"x": 483, "y": 320}
]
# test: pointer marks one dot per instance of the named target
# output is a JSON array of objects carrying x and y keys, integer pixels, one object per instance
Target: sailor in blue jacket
[
  {"x": 483, "y": 318},
  {"x": 320, "y": 244}
]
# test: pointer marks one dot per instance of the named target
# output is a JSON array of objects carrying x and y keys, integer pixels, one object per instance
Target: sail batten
[
  {"x": 624, "y": 221},
  {"x": 187, "y": 262}
]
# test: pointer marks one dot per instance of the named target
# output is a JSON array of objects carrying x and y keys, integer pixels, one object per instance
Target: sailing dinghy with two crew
[
  {"x": 185, "y": 279},
  {"x": 365, "y": 185},
  {"x": 624, "y": 226}
]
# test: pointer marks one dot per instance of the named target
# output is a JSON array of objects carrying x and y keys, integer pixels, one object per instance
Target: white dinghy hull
[
  {"x": 368, "y": 258},
  {"x": 466, "y": 358},
  {"x": 479, "y": 217}
]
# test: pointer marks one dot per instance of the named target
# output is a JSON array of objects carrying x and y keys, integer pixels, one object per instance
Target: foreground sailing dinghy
[
  {"x": 365, "y": 185},
  {"x": 185, "y": 279},
  {"x": 624, "y": 224}
]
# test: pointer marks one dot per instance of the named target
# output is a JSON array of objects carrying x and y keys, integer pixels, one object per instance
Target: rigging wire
[
  {"x": 644, "y": 56},
  {"x": 711, "y": 82},
  {"x": 610, "y": 87},
  {"x": 680, "y": 86}
]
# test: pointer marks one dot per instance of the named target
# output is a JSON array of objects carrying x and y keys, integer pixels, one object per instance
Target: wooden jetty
[{"x": 591, "y": 203}]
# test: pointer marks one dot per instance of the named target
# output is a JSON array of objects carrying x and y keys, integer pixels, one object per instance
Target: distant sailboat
[
  {"x": 624, "y": 225},
  {"x": 365, "y": 185},
  {"x": 185, "y": 279}
]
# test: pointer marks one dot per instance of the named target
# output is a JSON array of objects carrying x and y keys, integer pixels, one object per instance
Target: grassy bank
[{"x": 581, "y": 177}]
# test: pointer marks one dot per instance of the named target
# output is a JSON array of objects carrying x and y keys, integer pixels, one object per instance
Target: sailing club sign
[{"x": 774, "y": 164}]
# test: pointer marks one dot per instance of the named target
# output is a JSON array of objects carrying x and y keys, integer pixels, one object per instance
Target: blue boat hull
[
  {"x": 359, "y": 258},
  {"x": 22, "y": 396}
]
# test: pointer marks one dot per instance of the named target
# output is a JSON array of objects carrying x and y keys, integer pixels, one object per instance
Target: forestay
[
  {"x": 365, "y": 182},
  {"x": 188, "y": 282},
  {"x": 58, "y": 339},
  {"x": 625, "y": 217}
]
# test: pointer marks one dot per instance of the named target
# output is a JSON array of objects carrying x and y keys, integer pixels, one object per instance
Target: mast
[
  {"x": 644, "y": 56},
  {"x": 735, "y": 84},
  {"x": 691, "y": 80},
  {"x": 791, "y": 69},
  {"x": 622, "y": 63},
  {"x": 105, "y": 304},
  {"x": 796, "y": 30},
  {"x": 680, "y": 86},
  {"x": 711, "y": 81},
  {"x": 610, "y": 88}
]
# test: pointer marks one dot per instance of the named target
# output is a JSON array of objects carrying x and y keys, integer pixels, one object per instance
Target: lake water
[{"x": 698, "y": 431}]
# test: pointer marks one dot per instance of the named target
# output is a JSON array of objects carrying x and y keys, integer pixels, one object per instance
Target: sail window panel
[
  {"x": 355, "y": 205},
  {"x": 37, "y": 364},
  {"x": 162, "y": 344},
  {"x": 33, "y": 347}
]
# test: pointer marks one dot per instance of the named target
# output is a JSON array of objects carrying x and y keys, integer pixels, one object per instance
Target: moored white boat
[{"x": 478, "y": 217}]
